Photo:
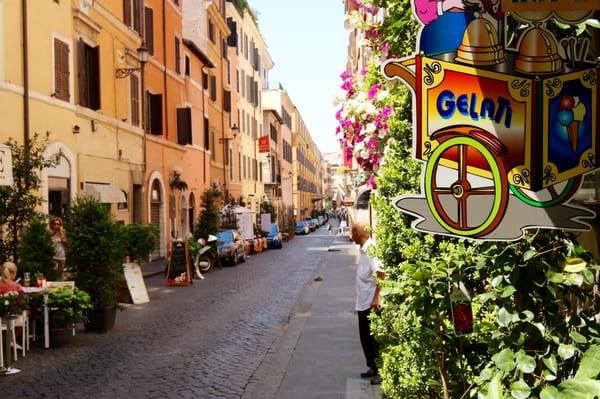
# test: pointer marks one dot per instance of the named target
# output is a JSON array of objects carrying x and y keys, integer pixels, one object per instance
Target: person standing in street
[
  {"x": 59, "y": 239},
  {"x": 367, "y": 297}
]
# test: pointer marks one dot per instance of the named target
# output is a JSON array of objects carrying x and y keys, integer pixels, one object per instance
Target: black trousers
[{"x": 367, "y": 341}]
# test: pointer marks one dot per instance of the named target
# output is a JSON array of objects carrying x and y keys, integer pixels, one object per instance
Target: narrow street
[{"x": 202, "y": 341}]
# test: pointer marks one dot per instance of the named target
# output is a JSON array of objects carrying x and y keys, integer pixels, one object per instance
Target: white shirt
[{"x": 366, "y": 277}]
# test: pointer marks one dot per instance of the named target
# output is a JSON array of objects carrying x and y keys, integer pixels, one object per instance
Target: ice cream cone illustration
[
  {"x": 573, "y": 132},
  {"x": 571, "y": 113}
]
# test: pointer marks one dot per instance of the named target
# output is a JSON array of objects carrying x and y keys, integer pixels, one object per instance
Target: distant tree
[
  {"x": 267, "y": 207},
  {"x": 229, "y": 218},
  {"x": 19, "y": 203},
  {"x": 210, "y": 215}
]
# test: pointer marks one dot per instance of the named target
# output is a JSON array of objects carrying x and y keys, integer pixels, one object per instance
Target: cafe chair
[
  {"x": 23, "y": 322},
  {"x": 4, "y": 328}
]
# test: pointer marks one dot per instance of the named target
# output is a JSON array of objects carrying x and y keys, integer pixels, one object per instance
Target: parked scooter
[{"x": 207, "y": 257}]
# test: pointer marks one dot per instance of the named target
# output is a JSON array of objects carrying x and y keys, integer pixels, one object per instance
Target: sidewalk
[
  {"x": 319, "y": 354},
  {"x": 154, "y": 268}
]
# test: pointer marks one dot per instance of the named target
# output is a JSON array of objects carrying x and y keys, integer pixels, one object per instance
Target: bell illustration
[
  {"x": 538, "y": 53},
  {"x": 480, "y": 45}
]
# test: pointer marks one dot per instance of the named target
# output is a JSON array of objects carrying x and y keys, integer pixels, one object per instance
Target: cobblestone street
[{"x": 202, "y": 341}]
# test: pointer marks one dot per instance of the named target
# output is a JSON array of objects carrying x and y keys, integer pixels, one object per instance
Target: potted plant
[
  {"x": 68, "y": 306},
  {"x": 95, "y": 253},
  {"x": 36, "y": 251}
]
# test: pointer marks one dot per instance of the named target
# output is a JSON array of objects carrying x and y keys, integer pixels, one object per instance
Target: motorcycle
[{"x": 207, "y": 257}]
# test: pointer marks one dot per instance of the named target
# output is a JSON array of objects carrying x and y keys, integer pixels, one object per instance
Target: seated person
[{"x": 7, "y": 283}]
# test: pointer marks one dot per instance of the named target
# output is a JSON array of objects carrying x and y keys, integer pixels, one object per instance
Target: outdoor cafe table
[{"x": 36, "y": 291}]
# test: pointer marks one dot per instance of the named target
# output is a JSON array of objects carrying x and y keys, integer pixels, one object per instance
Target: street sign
[
  {"x": 6, "y": 173},
  {"x": 179, "y": 271},
  {"x": 263, "y": 144},
  {"x": 135, "y": 282}
]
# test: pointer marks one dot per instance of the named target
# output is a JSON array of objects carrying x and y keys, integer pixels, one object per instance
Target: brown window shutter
[
  {"x": 149, "y": 30},
  {"x": 184, "y": 126},
  {"x": 61, "y": 70},
  {"x": 213, "y": 88},
  {"x": 137, "y": 15},
  {"x": 177, "y": 56},
  {"x": 206, "y": 134},
  {"x": 82, "y": 73},
  {"x": 155, "y": 116},
  {"x": 188, "y": 124},
  {"x": 94, "y": 76},
  {"x": 127, "y": 12},
  {"x": 135, "y": 100},
  {"x": 226, "y": 101}
]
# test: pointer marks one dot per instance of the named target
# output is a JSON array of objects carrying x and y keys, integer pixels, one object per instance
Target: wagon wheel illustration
[
  {"x": 462, "y": 189},
  {"x": 559, "y": 193}
]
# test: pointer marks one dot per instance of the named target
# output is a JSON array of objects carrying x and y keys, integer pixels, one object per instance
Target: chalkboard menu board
[{"x": 179, "y": 269}]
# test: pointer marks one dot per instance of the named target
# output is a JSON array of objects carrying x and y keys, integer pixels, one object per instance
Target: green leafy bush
[
  {"x": 68, "y": 306},
  {"x": 210, "y": 215},
  {"x": 36, "y": 251},
  {"x": 140, "y": 240},
  {"x": 95, "y": 250}
]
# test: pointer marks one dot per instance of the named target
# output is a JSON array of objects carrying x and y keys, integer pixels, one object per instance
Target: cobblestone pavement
[{"x": 203, "y": 341}]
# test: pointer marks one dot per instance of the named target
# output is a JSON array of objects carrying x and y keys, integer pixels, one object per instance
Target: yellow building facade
[
  {"x": 307, "y": 178},
  {"x": 73, "y": 52}
]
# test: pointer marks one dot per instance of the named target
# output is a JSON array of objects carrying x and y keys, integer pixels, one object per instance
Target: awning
[
  {"x": 106, "y": 193},
  {"x": 362, "y": 198}
]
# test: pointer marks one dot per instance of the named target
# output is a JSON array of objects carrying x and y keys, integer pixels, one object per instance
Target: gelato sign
[
  {"x": 505, "y": 132},
  {"x": 6, "y": 175}
]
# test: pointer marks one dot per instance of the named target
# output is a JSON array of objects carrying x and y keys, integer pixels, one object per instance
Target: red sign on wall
[{"x": 263, "y": 144}]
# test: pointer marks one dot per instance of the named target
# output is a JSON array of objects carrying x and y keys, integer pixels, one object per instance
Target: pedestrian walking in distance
[{"x": 367, "y": 297}]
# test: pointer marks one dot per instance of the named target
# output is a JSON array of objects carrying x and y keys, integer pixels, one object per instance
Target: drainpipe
[
  {"x": 206, "y": 134},
  {"x": 165, "y": 91},
  {"x": 25, "y": 73}
]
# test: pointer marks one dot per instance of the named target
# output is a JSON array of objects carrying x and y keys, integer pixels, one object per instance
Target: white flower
[
  {"x": 370, "y": 128},
  {"x": 6, "y": 303},
  {"x": 364, "y": 154},
  {"x": 382, "y": 95}
]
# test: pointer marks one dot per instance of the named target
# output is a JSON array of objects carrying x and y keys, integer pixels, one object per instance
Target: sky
[{"x": 308, "y": 43}]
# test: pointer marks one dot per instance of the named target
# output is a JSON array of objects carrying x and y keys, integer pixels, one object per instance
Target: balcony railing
[{"x": 272, "y": 86}]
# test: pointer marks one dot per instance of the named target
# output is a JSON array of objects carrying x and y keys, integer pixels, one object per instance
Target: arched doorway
[
  {"x": 156, "y": 215},
  {"x": 192, "y": 212},
  {"x": 59, "y": 187}
]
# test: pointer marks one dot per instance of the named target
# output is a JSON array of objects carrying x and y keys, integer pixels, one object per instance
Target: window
[
  {"x": 213, "y": 146},
  {"x": 135, "y": 100},
  {"x": 273, "y": 133},
  {"x": 239, "y": 166},
  {"x": 211, "y": 31},
  {"x": 213, "y": 88},
  {"x": 89, "y": 75},
  {"x": 149, "y": 31},
  {"x": 177, "y": 56},
  {"x": 237, "y": 81},
  {"x": 232, "y": 39},
  {"x": 187, "y": 66},
  {"x": 184, "y": 126},
  {"x": 61, "y": 70},
  {"x": 206, "y": 135},
  {"x": 132, "y": 14},
  {"x": 244, "y": 158},
  {"x": 122, "y": 206},
  {"x": 231, "y": 165},
  {"x": 155, "y": 113},
  {"x": 226, "y": 101},
  {"x": 204, "y": 80}
]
